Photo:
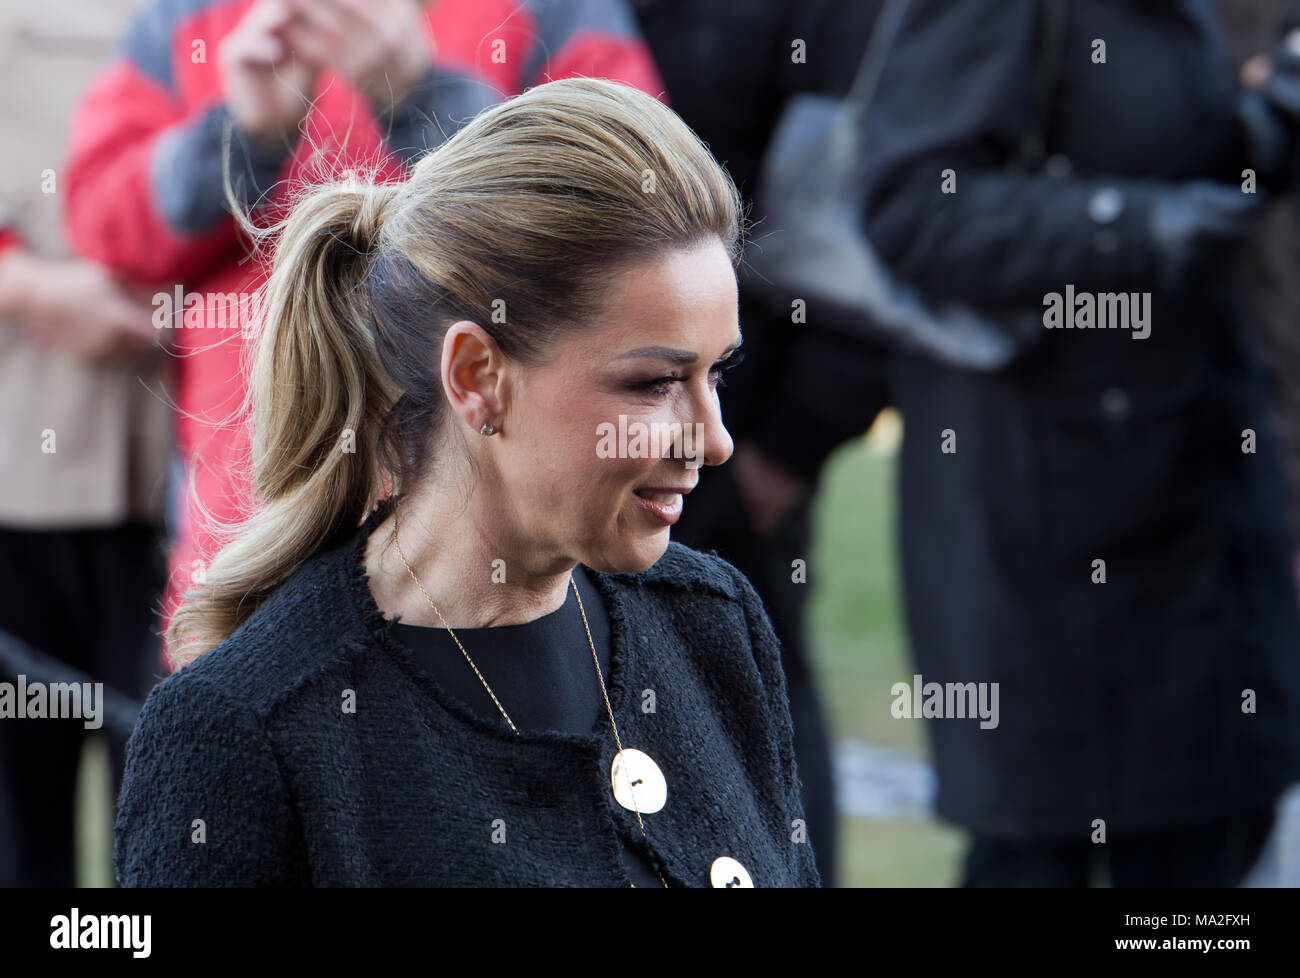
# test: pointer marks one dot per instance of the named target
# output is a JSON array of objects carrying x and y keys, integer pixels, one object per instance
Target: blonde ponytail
[{"x": 319, "y": 396}]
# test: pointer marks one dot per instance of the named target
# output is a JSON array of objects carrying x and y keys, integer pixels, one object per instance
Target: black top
[
  {"x": 317, "y": 752},
  {"x": 541, "y": 671}
]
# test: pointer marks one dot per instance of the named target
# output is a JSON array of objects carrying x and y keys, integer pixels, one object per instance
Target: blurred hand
[
  {"x": 380, "y": 46},
  {"x": 1276, "y": 75},
  {"x": 1255, "y": 71},
  {"x": 769, "y": 489},
  {"x": 1197, "y": 223},
  {"x": 78, "y": 306},
  {"x": 268, "y": 84}
]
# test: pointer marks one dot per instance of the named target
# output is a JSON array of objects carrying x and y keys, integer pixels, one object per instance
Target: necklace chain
[{"x": 599, "y": 675}]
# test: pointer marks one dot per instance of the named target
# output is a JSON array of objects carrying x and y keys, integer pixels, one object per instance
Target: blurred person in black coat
[
  {"x": 801, "y": 391},
  {"x": 1100, "y": 528},
  {"x": 1270, "y": 267}
]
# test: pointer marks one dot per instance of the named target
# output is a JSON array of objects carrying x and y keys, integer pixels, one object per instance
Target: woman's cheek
[{"x": 620, "y": 475}]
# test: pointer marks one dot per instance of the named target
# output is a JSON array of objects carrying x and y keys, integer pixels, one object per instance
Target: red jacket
[{"x": 144, "y": 184}]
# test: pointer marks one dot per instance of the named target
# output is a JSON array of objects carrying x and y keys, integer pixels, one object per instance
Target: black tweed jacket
[{"x": 246, "y": 769}]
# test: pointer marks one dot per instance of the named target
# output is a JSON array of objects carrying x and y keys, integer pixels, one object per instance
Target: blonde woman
[{"x": 505, "y": 673}]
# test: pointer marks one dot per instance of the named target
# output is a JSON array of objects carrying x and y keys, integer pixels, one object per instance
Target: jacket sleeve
[
  {"x": 9, "y": 240},
  {"x": 595, "y": 38},
  {"x": 766, "y": 648},
  {"x": 202, "y": 801},
  {"x": 591, "y": 39},
  {"x": 955, "y": 94},
  {"x": 144, "y": 175}
]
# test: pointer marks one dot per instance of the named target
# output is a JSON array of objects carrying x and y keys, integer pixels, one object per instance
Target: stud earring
[{"x": 488, "y": 429}]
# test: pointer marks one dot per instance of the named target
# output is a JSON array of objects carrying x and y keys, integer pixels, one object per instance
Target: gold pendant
[{"x": 639, "y": 785}]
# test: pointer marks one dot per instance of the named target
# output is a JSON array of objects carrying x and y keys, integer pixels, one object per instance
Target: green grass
[
  {"x": 897, "y": 852},
  {"x": 94, "y": 826},
  {"x": 854, "y": 606},
  {"x": 859, "y": 651}
]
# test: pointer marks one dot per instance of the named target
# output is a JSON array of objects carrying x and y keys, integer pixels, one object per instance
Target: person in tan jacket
[{"x": 85, "y": 442}]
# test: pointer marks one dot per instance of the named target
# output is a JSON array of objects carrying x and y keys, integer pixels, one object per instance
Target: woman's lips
[{"x": 663, "y": 504}]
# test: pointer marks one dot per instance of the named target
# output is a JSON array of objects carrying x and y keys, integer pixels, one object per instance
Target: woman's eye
[{"x": 659, "y": 385}]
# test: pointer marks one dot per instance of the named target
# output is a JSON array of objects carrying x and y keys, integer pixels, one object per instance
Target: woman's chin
[{"x": 635, "y": 559}]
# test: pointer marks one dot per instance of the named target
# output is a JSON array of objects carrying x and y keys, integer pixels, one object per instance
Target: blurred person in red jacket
[{"x": 275, "y": 94}]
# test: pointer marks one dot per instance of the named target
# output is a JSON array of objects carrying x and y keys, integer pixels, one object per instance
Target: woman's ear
[{"x": 473, "y": 375}]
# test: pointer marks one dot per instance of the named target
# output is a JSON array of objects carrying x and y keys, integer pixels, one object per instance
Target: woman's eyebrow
[
  {"x": 674, "y": 355},
  {"x": 661, "y": 353}
]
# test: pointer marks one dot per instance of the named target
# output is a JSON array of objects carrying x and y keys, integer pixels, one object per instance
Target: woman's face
[{"x": 600, "y": 445}]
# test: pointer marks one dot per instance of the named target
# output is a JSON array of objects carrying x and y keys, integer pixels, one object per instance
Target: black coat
[
  {"x": 1121, "y": 700},
  {"x": 414, "y": 788}
]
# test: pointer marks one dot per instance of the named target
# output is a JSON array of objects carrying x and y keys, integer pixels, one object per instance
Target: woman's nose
[{"x": 718, "y": 445}]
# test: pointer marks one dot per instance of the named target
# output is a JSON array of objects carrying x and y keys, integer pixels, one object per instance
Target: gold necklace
[{"x": 626, "y": 763}]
